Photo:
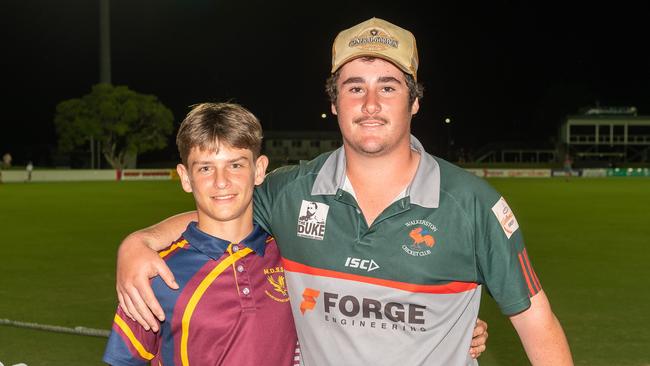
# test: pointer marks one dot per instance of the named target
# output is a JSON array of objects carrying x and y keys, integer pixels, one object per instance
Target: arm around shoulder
[
  {"x": 541, "y": 333},
  {"x": 137, "y": 262},
  {"x": 159, "y": 235}
]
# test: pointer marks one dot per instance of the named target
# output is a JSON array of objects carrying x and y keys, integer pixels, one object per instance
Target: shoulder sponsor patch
[
  {"x": 505, "y": 216},
  {"x": 312, "y": 219}
]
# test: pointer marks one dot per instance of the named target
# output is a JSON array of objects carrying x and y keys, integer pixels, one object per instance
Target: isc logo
[{"x": 368, "y": 265}]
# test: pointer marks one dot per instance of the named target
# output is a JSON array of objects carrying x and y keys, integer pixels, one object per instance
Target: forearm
[
  {"x": 158, "y": 236},
  {"x": 541, "y": 334}
]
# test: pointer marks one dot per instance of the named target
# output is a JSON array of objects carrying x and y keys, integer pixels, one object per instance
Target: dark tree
[{"x": 127, "y": 123}]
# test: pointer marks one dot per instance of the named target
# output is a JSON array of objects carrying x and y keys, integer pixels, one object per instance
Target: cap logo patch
[{"x": 374, "y": 40}]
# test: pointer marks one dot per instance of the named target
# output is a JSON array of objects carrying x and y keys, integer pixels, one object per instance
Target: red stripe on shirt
[
  {"x": 538, "y": 286},
  {"x": 525, "y": 272},
  {"x": 448, "y": 288}
]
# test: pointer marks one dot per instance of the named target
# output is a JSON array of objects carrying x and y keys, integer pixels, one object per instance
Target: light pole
[
  {"x": 450, "y": 140},
  {"x": 104, "y": 42},
  {"x": 104, "y": 71}
]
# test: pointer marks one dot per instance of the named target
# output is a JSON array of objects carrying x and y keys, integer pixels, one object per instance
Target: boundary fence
[{"x": 70, "y": 175}]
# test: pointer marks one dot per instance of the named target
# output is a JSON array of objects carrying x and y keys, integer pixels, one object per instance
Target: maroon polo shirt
[{"x": 232, "y": 307}]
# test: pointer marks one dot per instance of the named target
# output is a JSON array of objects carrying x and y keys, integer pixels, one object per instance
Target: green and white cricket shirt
[{"x": 405, "y": 290}]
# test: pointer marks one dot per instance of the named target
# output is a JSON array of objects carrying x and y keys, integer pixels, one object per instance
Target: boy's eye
[
  {"x": 388, "y": 89},
  {"x": 236, "y": 165},
  {"x": 204, "y": 168},
  {"x": 355, "y": 89}
]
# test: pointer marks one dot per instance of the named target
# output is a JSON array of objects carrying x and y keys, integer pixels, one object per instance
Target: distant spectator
[
  {"x": 6, "y": 161},
  {"x": 568, "y": 166},
  {"x": 461, "y": 155},
  {"x": 29, "y": 168}
]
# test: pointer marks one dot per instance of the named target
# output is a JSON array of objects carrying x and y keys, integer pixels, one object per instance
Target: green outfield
[{"x": 589, "y": 240}]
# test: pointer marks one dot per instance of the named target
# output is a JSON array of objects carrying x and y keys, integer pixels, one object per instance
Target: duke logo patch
[
  {"x": 312, "y": 220},
  {"x": 505, "y": 216}
]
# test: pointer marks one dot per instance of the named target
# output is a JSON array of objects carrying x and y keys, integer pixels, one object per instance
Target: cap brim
[{"x": 373, "y": 54}]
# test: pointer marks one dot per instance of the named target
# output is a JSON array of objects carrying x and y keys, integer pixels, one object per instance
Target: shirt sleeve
[
  {"x": 502, "y": 257},
  {"x": 262, "y": 204},
  {"x": 129, "y": 343},
  {"x": 269, "y": 192}
]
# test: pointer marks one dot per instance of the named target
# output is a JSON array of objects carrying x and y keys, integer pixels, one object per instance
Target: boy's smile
[{"x": 222, "y": 183}]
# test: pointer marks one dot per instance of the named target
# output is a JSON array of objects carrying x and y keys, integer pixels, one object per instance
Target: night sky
[{"x": 504, "y": 71}]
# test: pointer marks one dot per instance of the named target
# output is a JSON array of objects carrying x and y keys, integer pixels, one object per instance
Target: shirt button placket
[{"x": 243, "y": 280}]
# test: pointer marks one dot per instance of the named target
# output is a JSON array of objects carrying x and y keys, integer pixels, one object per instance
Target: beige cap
[{"x": 379, "y": 38}]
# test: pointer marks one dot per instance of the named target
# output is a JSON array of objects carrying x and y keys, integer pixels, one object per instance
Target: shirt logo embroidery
[
  {"x": 312, "y": 220},
  {"x": 365, "y": 264},
  {"x": 275, "y": 277},
  {"x": 506, "y": 217},
  {"x": 421, "y": 235}
]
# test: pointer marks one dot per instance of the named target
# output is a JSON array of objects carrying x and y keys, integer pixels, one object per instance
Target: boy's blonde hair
[{"x": 208, "y": 125}]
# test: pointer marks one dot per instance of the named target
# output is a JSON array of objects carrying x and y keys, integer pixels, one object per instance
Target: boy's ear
[
  {"x": 261, "y": 164},
  {"x": 185, "y": 178}
]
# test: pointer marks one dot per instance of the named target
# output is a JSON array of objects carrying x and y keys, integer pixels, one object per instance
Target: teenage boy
[{"x": 232, "y": 306}]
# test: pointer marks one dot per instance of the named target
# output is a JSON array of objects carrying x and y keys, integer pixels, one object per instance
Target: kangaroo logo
[{"x": 420, "y": 235}]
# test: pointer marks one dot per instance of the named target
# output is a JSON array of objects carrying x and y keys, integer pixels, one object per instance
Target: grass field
[{"x": 589, "y": 240}]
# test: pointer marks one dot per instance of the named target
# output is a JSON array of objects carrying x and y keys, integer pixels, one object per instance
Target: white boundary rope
[{"x": 57, "y": 329}]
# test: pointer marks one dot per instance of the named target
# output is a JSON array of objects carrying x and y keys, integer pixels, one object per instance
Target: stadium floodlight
[{"x": 447, "y": 120}]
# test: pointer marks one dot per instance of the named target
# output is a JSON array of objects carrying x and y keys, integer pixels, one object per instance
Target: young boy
[{"x": 232, "y": 307}]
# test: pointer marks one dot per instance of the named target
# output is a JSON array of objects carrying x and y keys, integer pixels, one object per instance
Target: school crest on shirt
[
  {"x": 277, "y": 286},
  {"x": 312, "y": 219},
  {"x": 420, "y": 238}
]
